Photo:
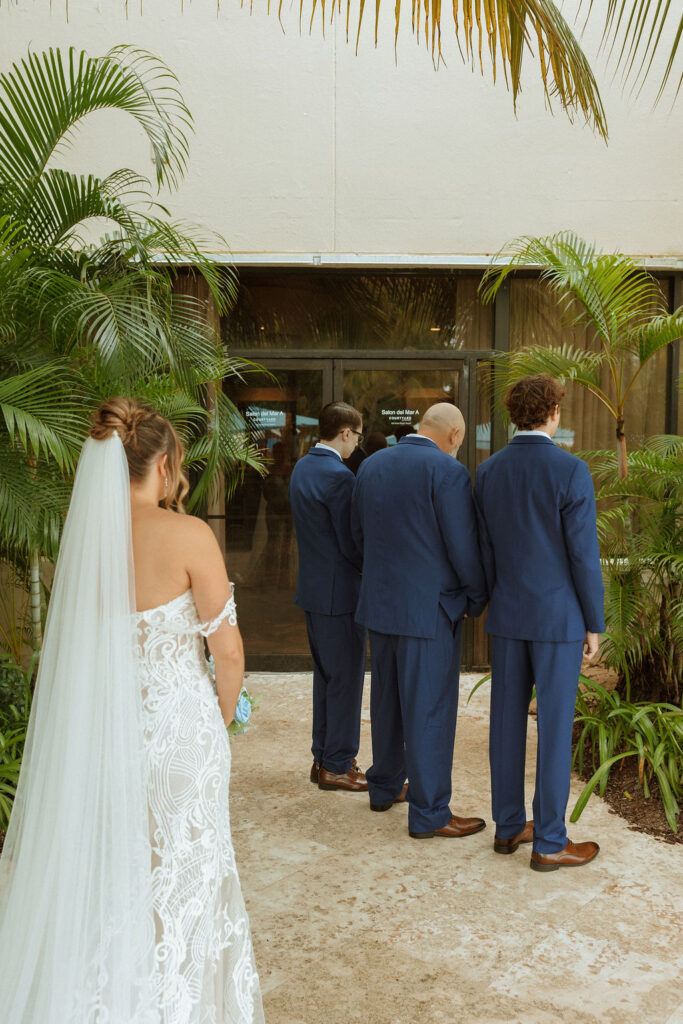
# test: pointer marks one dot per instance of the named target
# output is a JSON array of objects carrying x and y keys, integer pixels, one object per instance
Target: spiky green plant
[{"x": 612, "y": 729}]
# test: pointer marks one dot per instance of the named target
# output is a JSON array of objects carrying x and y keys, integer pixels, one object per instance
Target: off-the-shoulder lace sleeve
[{"x": 229, "y": 613}]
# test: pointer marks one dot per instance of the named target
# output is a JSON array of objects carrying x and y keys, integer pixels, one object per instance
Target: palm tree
[
  {"x": 611, "y": 295},
  {"x": 81, "y": 321}
]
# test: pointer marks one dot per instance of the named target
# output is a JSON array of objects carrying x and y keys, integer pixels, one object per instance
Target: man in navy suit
[
  {"x": 320, "y": 492},
  {"x": 414, "y": 518},
  {"x": 536, "y": 508}
]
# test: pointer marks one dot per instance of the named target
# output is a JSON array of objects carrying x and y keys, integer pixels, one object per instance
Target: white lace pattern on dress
[{"x": 204, "y": 957}]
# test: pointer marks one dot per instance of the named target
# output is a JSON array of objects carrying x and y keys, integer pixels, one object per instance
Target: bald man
[{"x": 413, "y": 517}]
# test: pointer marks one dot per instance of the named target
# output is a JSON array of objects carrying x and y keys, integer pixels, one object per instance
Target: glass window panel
[{"x": 331, "y": 309}]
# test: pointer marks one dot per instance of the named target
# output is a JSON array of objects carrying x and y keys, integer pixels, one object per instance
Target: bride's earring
[{"x": 165, "y": 486}]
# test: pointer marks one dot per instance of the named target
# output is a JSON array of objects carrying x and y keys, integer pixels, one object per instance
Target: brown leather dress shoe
[
  {"x": 353, "y": 780},
  {"x": 574, "y": 855},
  {"x": 457, "y": 828},
  {"x": 315, "y": 771},
  {"x": 510, "y": 845},
  {"x": 399, "y": 800}
]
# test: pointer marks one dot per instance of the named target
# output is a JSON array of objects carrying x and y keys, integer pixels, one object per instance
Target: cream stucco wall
[{"x": 303, "y": 148}]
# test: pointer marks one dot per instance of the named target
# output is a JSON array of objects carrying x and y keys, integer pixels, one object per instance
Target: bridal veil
[{"x": 77, "y": 925}]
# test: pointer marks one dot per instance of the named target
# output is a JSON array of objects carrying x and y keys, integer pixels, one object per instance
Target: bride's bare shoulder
[{"x": 191, "y": 531}]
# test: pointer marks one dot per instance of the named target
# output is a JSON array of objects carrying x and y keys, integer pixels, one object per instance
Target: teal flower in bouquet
[{"x": 245, "y": 705}]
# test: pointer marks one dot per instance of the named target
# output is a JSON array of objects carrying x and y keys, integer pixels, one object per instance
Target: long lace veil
[{"x": 77, "y": 926}]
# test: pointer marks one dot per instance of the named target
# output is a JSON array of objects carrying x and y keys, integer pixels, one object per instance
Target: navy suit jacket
[
  {"x": 536, "y": 507},
  {"x": 320, "y": 490},
  {"x": 414, "y": 518}
]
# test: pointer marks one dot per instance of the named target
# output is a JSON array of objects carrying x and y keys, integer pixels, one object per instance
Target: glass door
[
  {"x": 392, "y": 396},
  {"x": 281, "y": 410},
  {"x": 281, "y": 413}
]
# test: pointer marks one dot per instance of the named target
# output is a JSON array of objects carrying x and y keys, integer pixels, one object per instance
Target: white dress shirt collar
[{"x": 321, "y": 444}]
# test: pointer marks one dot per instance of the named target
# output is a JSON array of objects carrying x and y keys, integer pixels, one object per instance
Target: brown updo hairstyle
[
  {"x": 532, "y": 399},
  {"x": 145, "y": 435}
]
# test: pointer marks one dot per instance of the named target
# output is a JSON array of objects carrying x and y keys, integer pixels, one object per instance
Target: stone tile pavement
[{"x": 355, "y": 923}]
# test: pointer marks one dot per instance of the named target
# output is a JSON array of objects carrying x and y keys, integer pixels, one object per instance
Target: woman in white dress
[{"x": 120, "y": 897}]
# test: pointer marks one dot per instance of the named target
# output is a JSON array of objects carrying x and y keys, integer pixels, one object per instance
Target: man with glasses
[{"x": 320, "y": 492}]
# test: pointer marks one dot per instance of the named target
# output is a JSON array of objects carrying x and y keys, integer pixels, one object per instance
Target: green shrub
[{"x": 612, "y": 729}]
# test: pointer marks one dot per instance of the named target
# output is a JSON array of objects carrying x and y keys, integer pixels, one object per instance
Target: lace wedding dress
[{"x": 203, "y": 953}]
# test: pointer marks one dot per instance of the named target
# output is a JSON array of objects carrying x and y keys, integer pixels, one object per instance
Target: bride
[{"x": 119, "y": 893}]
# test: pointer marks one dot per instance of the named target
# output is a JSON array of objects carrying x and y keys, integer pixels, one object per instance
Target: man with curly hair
[{"x": 536, "y": 509}]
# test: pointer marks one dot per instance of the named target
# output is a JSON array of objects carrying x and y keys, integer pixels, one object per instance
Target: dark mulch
[{"x": 625, "y": 798}]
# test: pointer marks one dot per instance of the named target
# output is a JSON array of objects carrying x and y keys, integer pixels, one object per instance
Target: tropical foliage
[
  {"x": 621, "y": 305},
  {"x": 641, "y": 539},
  {"x": 15, "y": 708},
  {"x": 82, "y": 320},
  {"x": 612, "y": 729},
  {"x": 504, "y": 32}
]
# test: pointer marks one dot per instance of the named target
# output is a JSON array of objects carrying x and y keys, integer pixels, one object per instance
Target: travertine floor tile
[{"x": 356, "y": 923}]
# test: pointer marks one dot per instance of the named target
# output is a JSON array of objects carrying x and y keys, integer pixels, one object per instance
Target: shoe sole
[
  {"x": 381, "y": 807},
  {"x": 440, "y": 835},
  {"x": 509, "y": 849},
  {"x": 342, "y": 789},
  {"x": 556, "y": 867}
]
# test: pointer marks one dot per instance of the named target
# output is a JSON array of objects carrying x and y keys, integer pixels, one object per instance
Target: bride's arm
[{"x": 211, "y": 589}]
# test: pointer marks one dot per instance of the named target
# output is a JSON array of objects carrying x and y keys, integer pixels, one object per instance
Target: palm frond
[
  {"x": 225, "y": 447},
  {"x": 507, "y": 31},
  {"x": 42, "y": 408},
  {"x": 665, "y": 445},
  {"x": 44, "y": 96},
  {"x": 61, "y": 202},
  {"x": 635, "y": 30},
  {"x": 33, "y": 501},
  {"x": 610, "y": 293},
  {"x": 567, "y": 363},
  {"x": 182, "y": 244},
  {"x": 647, "y": 338}
]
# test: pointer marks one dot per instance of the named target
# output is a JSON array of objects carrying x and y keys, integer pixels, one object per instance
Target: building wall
[{"x": 304, "y": 149}]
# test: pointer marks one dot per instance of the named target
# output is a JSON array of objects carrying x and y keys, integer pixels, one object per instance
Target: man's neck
[
  {"x": 428, "y": 437},
  {"x": 331, "y": 445}
]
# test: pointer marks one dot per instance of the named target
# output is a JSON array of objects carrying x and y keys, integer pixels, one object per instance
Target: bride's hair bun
[
  {"x": 145, "y": 434},
  {"x": 121, "y": 415}
]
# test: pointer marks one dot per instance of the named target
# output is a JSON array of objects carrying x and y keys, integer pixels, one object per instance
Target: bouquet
[{"x": 245, "y": 705}]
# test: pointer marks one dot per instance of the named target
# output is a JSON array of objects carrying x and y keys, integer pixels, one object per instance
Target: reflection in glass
[
  {"x": 392, "y": 402},
  {"x": 282, "y": 419},
  {"x": 331, "y": 309}
]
